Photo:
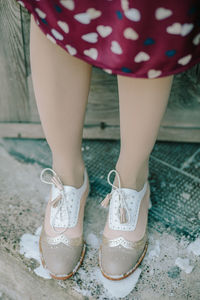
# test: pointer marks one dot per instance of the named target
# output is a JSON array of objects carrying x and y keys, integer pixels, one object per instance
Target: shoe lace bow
[
  {"x": 60, "y": 202},
  {"x": 123, "y": 211}
]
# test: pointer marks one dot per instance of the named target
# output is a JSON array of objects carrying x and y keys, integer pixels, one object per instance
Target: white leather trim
[
  {"x": 71, "y": 206},
  {"x": 133, "y": 199}
]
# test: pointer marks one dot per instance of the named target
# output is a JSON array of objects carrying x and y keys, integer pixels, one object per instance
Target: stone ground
[{"x": 171, "y": 268}]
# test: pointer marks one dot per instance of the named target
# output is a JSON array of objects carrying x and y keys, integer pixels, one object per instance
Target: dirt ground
[{"x": 170, "y": 270}]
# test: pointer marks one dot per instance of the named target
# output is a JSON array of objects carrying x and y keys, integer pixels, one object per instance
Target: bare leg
[
  {"x": 142, "y": 106},
  {"x": 61, "y": 85}
]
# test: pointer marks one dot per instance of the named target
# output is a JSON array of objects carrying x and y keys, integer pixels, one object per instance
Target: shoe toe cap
[
  {"x": 61, "y": 260},
  {"x": 118, "y": 261}
]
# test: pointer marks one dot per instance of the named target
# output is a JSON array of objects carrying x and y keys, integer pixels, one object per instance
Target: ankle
[
  {"x": 130, "y": 178},
  {"x": 69, "y": 173}
]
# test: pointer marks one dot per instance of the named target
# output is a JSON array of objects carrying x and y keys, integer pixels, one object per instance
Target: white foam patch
[
  {"x": 194, "y": 247},
  {"x": 40, "y": 271},
  {"x": 151, "y": 272},
  {"x": 29, "y": 247},
  {"x": 92, "y": 240},
  {"x": 119, "y": 288},
  {"x": 38, "y": 231},
  {"x": 110, "y": 289},
  {"x": 155, "y": 252},
  {"x": 184, "y": 264}
]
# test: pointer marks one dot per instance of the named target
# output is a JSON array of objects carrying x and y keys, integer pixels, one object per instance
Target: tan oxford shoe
[
  {"x": 61, "y": 243},
  {"x": 118, "y": 256}
]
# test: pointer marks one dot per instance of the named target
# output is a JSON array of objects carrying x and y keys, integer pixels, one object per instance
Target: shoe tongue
[
  {"x": 131, "y": 192},
  {"x": 127, "y": 191},
  {"x": 69, "y": 188}
]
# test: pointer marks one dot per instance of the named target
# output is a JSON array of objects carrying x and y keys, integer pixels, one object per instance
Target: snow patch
[
  {"x": 121, "y": 288},
  {"x": 42, "y": 272},
  {"x": 92, "y": 240},
  {"x": 151, "y": 272},
  {"x": 183, "y": 264},
  {"x": 111, "y": 289},
  {"x": 29, "y": 247},
  {"x": 194, "y": 247},
  {"x": 156, "y": 251},
  {"x": 38, "y": 231}
]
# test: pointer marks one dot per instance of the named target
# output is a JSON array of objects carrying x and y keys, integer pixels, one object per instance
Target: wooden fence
[{"x": 18, "y": 111}]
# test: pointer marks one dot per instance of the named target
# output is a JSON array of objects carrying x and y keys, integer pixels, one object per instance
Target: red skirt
[{"x": 140, "y": 38}]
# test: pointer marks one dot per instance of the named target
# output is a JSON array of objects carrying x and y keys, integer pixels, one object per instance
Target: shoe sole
[
  {"x": 126, "y": 274},
  {"x": 68, "y": 275}
]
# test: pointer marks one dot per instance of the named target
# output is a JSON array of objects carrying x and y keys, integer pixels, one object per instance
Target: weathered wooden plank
[
  {"x": 31, "y": 130},
  {"x": 13, "y": 85},
  {"x": 103, "y": 104}
]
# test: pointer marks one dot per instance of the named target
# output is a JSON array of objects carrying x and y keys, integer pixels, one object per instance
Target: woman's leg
[
  {"x": 61, "y": 85},
  {"x": 142, "y": 104}
]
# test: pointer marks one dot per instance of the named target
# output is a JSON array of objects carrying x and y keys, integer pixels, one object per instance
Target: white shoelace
[
  {"x": 61, "y": 200},
  {"x": 123, "y": 211}
]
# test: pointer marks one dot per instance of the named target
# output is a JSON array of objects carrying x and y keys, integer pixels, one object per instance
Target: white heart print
[
  {"x": 40, "y": 13},
  {"x": 177, "y": 28},
  {"x": 83, "y": 18},
  {"x": 108, "y": 71},
  {"x": 57, "y": 34},
  {"x": 130, "y": 33},
  {"x": 124, "y": 4},
  {"x": 132, "y": 14},
  {"x": 162, "y": 13},
  {"x": 141, "y": 56},
  {"x": 196, "y": 39},
  {"x": 104, "y": 31},
  {"x": 93, "y": 13},
  {"x": 92, "y": 52},
  {"x": 64, "y": 26},
  {"x": 51, "y": 38},
  {"x": 69, "y": 4},
  {"x": 91, "y": 37},
  {"x": 186, "y": 28},
  {"x": 116, "y": 48},
  {"x": 185, "y": 60},
  {"x": 71, "y": 49},
  {"x": 153, "y": 73}
]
